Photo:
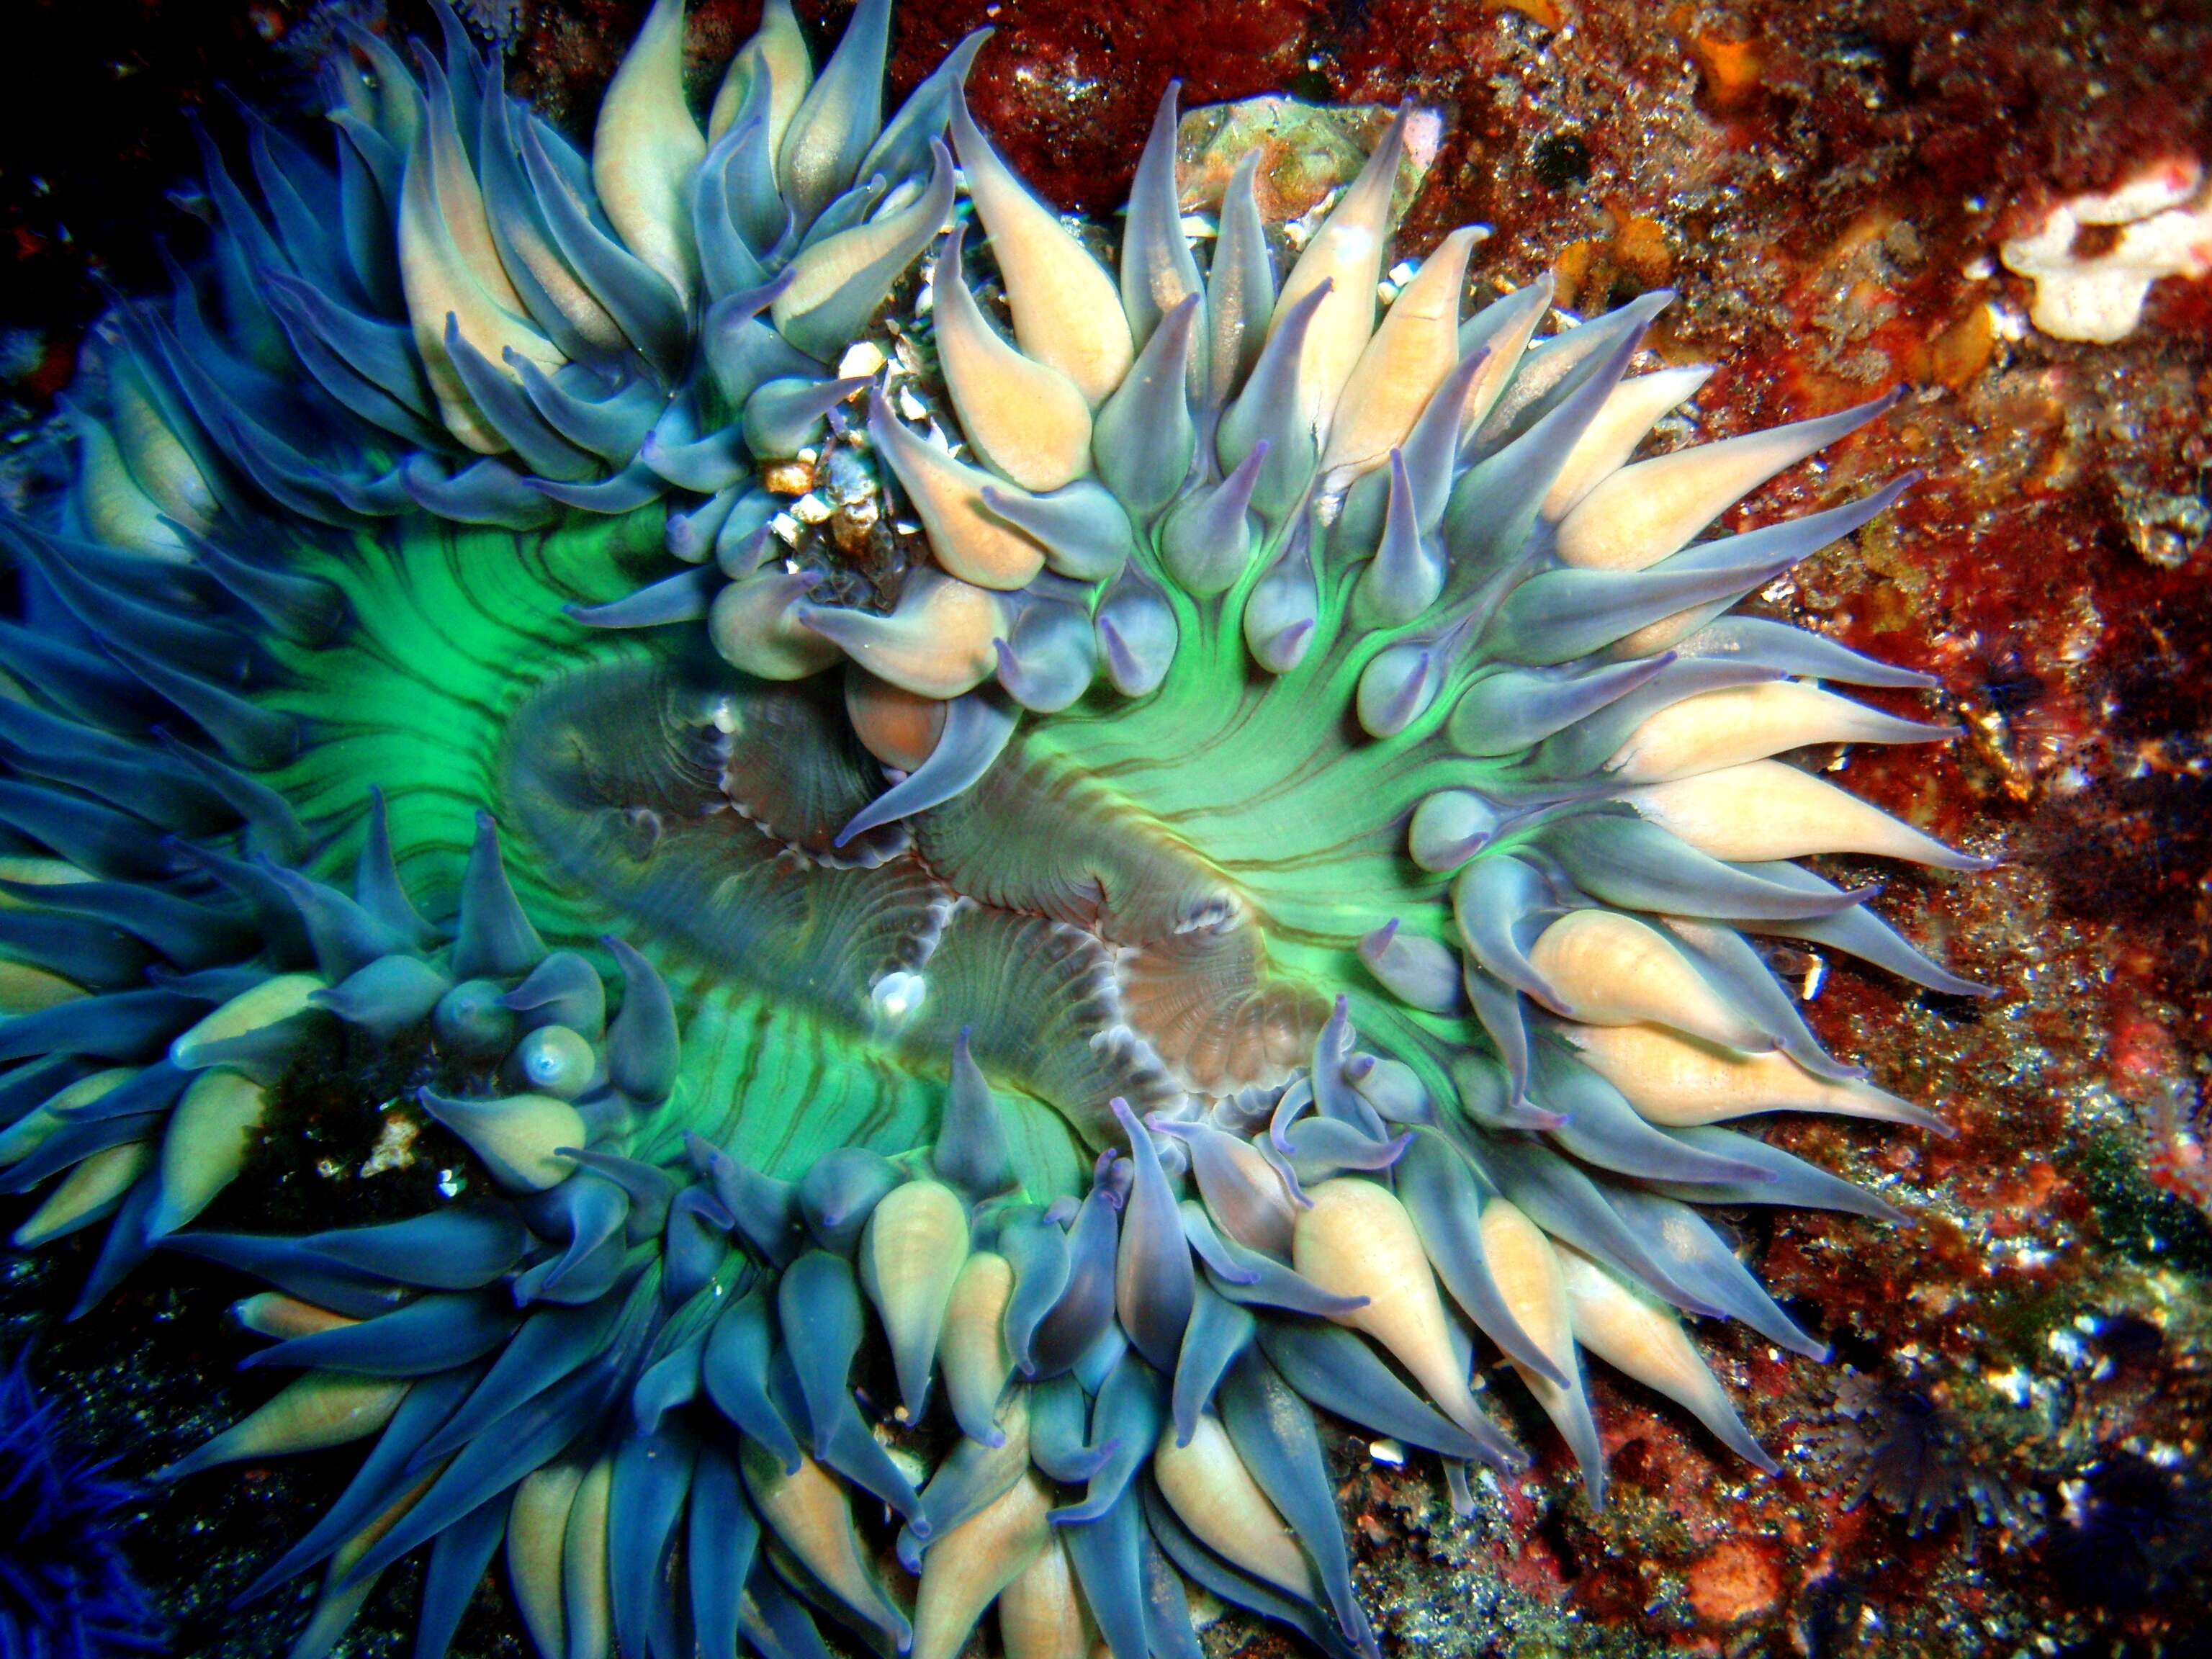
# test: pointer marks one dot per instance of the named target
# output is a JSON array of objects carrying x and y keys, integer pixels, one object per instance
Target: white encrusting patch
[{"x": 2162, "y": 214}]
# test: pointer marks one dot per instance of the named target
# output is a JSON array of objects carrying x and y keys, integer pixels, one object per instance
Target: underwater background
[{"x": 2006, "y": 1454}]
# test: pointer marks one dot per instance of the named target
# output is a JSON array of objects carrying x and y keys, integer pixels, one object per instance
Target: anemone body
[{"x": 1164, "y": 848}]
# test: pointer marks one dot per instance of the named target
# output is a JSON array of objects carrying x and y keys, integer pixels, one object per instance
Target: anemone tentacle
[{"x": 1052, "y": 886}]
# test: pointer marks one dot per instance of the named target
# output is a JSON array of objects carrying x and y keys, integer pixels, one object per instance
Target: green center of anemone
[{"x": 1139, "y": 899}]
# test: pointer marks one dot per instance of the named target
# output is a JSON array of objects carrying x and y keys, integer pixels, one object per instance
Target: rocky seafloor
[{"x": 2007, "y": 1456}]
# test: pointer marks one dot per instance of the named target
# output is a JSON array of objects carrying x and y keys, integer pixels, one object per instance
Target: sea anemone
[
  {"x": 66, "y": 1588},
  {"x": 1921, "y": 1461},
  {"x": 1198, "y": 833}
]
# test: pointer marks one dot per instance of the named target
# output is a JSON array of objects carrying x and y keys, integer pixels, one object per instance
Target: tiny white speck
[{"x": 898, "y": 995}]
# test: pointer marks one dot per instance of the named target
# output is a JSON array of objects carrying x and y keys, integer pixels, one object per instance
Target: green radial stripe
[
  {"x": 780, "y": 1086},
  {"x": 451, "y": 628},
  {"x": 1273, "y": 783}
]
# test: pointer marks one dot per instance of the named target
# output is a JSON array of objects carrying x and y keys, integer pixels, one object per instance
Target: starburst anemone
[{"x": 991, "y": 960}]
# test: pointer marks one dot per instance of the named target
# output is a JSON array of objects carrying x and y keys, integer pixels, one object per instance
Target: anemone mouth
[
  {"x": 712, "y": 812},
  {"x": 704, "y": 811}
]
